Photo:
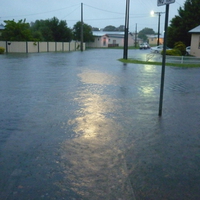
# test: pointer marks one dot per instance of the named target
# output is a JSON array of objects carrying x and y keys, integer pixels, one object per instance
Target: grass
[
  {"x": 158, "y": 63},
  {"x": 132, "y": 47}
]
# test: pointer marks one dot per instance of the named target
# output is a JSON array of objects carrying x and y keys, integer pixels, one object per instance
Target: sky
[{"x": 97, "y": 13}]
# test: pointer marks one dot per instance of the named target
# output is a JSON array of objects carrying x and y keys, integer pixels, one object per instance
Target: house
[
  {"x": 110, "y": 39},
  {"x": 153, "y": 39},
  {"x": 1, "y": 28},
  {"x": 195, "y": 41}
]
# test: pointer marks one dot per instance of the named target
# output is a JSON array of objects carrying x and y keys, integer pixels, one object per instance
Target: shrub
[
  {"x": 2, "y": 50},
  {"x": 172, "y": 52},
  {"x": 181, "y": 47}
]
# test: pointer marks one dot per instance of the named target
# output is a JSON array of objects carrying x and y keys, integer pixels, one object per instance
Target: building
[
  {"x": 153, "y": 39},
  {"x": 195, "y": 41},
  {"x": 103, "y": 39}
]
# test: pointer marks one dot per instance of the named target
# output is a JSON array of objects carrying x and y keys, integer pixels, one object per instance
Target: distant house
[
  {"x": 110, "y": 39},
  {"x": 195, "y": 41},
  {"x": 153, "y": 39},
  {"x": 1, "y": 28}
]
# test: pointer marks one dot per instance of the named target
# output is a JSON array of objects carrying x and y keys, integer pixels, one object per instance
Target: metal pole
[
  {"x": 125, "y": 56},
  {"x": 81, "y": 26},
  {"x": 163, "y": 61},
  {"x": 136, "y": 35},
  {"x": 158, "y": 42}
]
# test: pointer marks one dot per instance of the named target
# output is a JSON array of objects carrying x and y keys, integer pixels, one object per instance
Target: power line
[
  {"x": 71, "y": 12},
  {"x": 104, "y": 10},
  {"x": 39, "y": 13}
]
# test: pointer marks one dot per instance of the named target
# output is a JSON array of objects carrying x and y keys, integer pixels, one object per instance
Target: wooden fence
[{"x": 37, "y": 47}]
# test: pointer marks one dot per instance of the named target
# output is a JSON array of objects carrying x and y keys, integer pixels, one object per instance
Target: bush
[
  {"x": 172, "y": 52},
  {"x": 2, "y": 50},
  {"x": 181, "y": 47}
]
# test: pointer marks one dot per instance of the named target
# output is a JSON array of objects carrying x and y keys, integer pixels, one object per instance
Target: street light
[{"x": 159, "y": 14}]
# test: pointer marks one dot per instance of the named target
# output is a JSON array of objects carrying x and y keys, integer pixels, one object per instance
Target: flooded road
[{"x": 84, "y": 126}]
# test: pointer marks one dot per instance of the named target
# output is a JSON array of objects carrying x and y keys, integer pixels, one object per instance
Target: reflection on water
[
  {"x": 97, "y": 77},
  {"x": 92, "y": 114},
  {"x": 94, "y": 105},
  {"x": 150, "y": 68},
  {"x": 96, "y": 164},
  {"x": 147, "y": 90}
]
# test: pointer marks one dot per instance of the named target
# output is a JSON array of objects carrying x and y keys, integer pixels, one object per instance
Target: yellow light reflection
[
  {"x": 147, "y": 90},
  {"x": 150, "y": 68},
  {"x": 93, "y": 159},
  {"x": 94, "y": 107},
  {"x": 94, "y": 77},
  {"x": 91, "y": 118}
]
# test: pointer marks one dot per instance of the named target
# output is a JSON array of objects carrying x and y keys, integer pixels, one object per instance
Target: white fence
[
  {"x": 34, "y": 47},
  {"x": 153, "y": 57}
]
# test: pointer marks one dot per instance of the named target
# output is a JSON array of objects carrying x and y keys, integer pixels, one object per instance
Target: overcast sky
[{"x": 97, "y": 13}]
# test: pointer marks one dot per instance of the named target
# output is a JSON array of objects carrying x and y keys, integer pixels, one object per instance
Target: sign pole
[{"x": 163, "y": 61}]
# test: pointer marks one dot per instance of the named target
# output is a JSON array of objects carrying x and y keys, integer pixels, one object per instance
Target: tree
[
  {"x": 16, "y": 31},
  {"x": 184, "y": 22},
  {"x": 87, "y": 32},
  {"x": 144, "y": 32},
  {"x": 110, "y": 28},
  {"x": 51, "y": 30},
  {"x": 95, "y": 29},
  {"x": 121, "y": 28}
]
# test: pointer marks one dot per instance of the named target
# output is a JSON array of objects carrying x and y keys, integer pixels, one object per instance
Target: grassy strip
[{"x": 158, "y": 63}]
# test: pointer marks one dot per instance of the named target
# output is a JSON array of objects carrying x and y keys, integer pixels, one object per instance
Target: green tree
[
  {"x": 121, "y": 28},
  {"x": 87, "y": 32},
  {"x": 51, "y": 30},
  {"x": 186, "y": 20},
  {"x": 144, "y": 32},
  {"x": 110, "y": 28},
  {"x": 16, "y": 31}
]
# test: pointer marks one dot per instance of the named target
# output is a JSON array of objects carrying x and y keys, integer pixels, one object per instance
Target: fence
[
  {"x": 153, "y": 57},
  {"x": 34, "y": 47}
]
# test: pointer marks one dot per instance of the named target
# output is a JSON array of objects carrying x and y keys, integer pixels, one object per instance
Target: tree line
[{"x": 45, "y": 30}]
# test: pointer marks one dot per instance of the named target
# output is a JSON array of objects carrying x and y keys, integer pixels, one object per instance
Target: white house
[
  {"x": 195, "y": 41},
  {"x": 110, "y": 39}
]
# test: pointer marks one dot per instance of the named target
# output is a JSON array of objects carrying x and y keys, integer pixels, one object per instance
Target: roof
[
  {"x": 195, "y": 30},
  {"x": 108, "y": 33}
]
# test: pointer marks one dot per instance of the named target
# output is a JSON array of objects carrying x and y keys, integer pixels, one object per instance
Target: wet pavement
[{"x": 84, "y": 126}]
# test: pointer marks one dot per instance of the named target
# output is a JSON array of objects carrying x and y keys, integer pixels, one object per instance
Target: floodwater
[{"x": 84, "y": 126}]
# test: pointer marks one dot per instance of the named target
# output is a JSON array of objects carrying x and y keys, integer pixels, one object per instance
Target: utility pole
[
  {"x": 158, "y": 41},
  {"x": 136, "y": 35},
  {"x": 81, "y": 26},
  {"x": 159, "y": 14},
  {"x": 125, "y": 56}
]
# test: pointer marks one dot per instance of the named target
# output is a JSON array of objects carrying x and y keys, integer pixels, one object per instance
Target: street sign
[{"x": 164, "y": 2}]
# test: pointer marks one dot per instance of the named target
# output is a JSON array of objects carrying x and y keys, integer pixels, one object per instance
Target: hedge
[{"x": 2, "y": 50}]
